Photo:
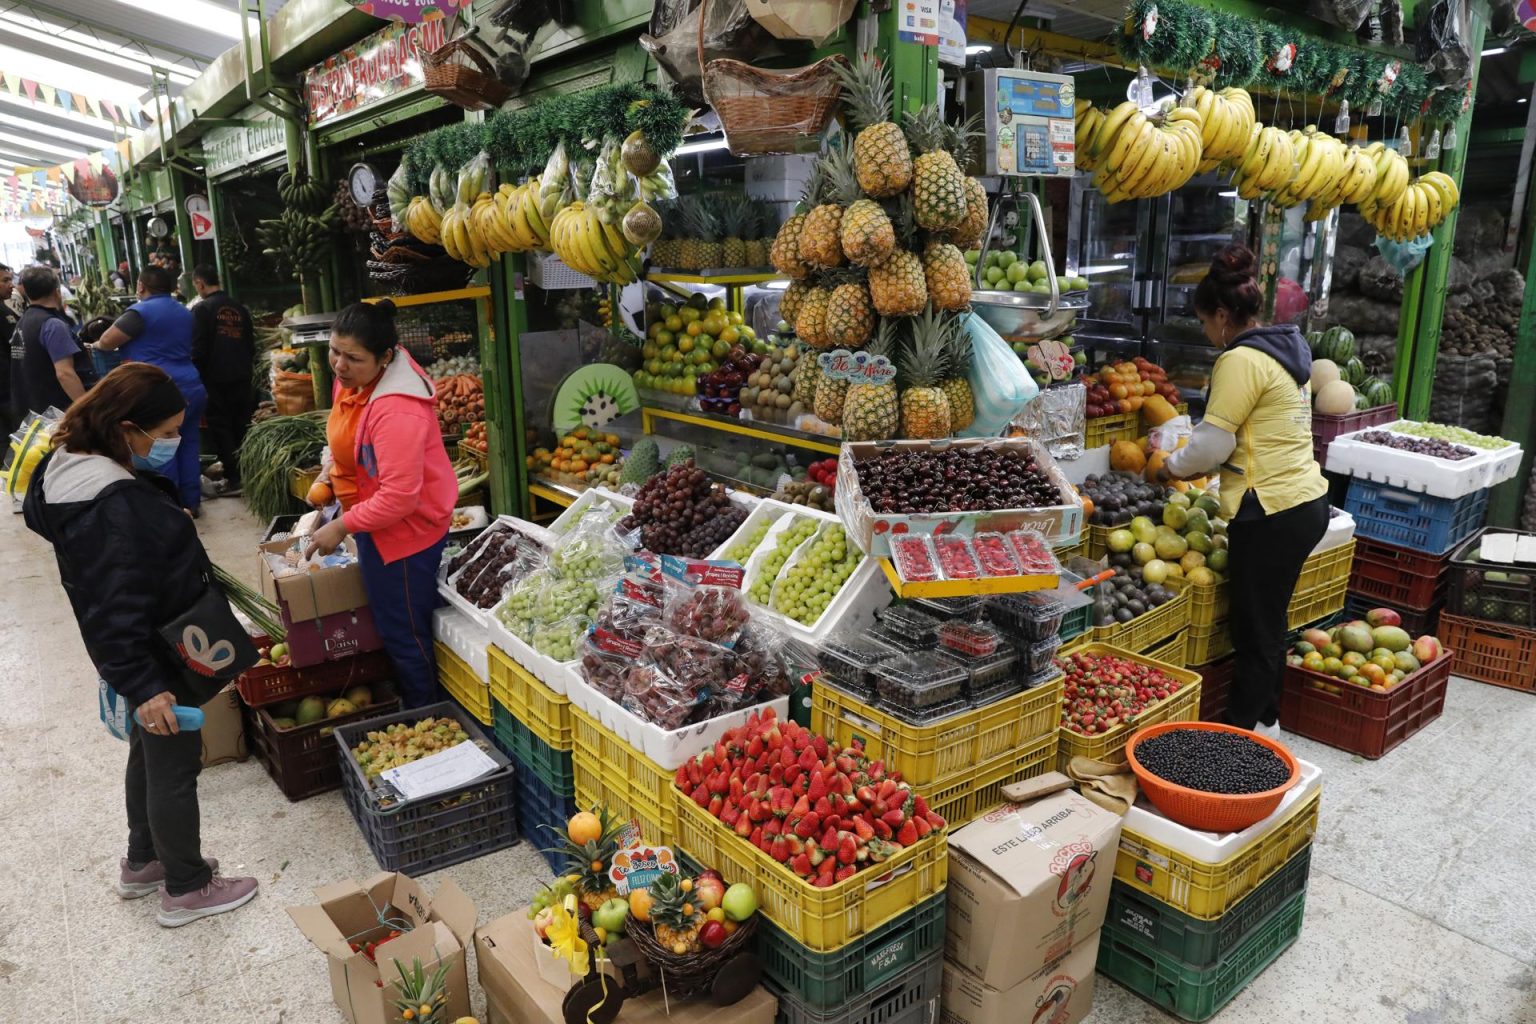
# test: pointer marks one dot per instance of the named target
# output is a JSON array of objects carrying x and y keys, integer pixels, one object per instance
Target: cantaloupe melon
[
  {"x": 1324, "y": 371},
  {"x": 1335, "y": 397}
]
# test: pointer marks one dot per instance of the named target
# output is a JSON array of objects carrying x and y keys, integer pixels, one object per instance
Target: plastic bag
[
  {"x": 1057, "y": 418},
  {"x": 519, "y": 612},
  {"x": 399, "y": 191},
  {"x": 552, "y": 182},
  {"x": 659, "y": 185},
  {"x": 587, "y": 553},
  {"x": 113, "y": 711},
  {"x": 1441, "y": 42},
  {"x": 1001, "y": 385},
  {"x": 704, "y": 600},
  {"x": 676, "y": 677},
  {"x": 611, "y": 191},
  {"x": 474, "y": 178},
  {"x": 606, "y": 661},
  {"x": 631, "y": 607},
  {"x": 441, "y": 188},
  {"x": 500, "y": 558},
  {"x": 1350, "y": 14},
  {"x": 28, "y": 444},
  {"x": 1404, "y": 256},
  {"x": 561, "y": 639}
]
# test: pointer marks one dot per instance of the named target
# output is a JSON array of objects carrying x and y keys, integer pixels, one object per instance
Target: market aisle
[{"x": 1416, "y": 911}]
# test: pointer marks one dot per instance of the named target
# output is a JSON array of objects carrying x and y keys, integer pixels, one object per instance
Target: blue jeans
[
  {"x": 185, "y": 470},
  {"x": 403, "y": 596}
]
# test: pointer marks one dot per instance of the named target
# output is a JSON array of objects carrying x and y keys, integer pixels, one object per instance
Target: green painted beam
[
  {"x": 501, "y": 361},
  {"x": 1507, "y": 501}
]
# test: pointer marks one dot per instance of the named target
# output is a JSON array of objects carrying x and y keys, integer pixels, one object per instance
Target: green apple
[
  {"x": 1016, "y": 272},
  {"x": 1043, "y": 287},
  {"x": 740, "y": 902},
  {"x": 1008, "y": 257},
  {"x": 1023, "y": 286},
  {"x": 994, "y": 275},
  {"x": 972, "y": 255},
  {"x": 1063, "y": 284},
  {"x": 1038, "y": 271},
  {"x": 610, "y": 917},
  {"x": 1079, "y": 284}
]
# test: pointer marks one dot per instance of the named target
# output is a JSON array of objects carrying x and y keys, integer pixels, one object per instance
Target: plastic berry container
[
  {"x": 920, "y": 681},
  {"x": 956, "y": 559},
  {"x": 851, "y": 663},
  {"x": 994, "y": 555},
  {"x": 1038, "y": 657},
  {"x": 1045, "y": 675},
  {"x": 1034, "y": 556},
  {"x": 976, "y": 639},
  {"x": 1031, "y": 617},
  {"x": 987, "y": 671},
  {"x": 901, "y": 644},
  {"x": 914, "y": 558},
  {"x": 967, "y": 609},
  {"x": 915, "y": 625},
  {"x": 993, "y": 694}
]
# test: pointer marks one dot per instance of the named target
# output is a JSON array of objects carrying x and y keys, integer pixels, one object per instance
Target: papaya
[
  {"x": 1154, "y": 463},
  {"x": 1156, "y": 410},
  {"x": 1126, "y": 456}
]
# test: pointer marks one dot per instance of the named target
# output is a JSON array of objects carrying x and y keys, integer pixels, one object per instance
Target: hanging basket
[
  {"x": 461, "y": 74},
  {"x": 765, "y": 111}
]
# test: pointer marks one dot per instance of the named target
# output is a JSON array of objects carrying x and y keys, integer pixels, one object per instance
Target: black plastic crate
[
  {"x": 911, "y": 997},
  {"x": 302, "y": 760},
  {"x": 538, "y": 805},
  {"x": 447, "y": 828},
  {"x": 1488, "y": 591}
]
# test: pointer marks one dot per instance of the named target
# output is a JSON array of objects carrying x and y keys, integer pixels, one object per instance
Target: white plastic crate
[
  {"x": 1341, "y": 528},
  {"x": 584, "y": 501},
  {"x": 1419, "y": 474},
  {"x": 545, "y": 669},
  {"x": 766, "y": 509},
  {"x": 1219, "y": 847},
  {"x": 668, "y": 748},
  {"x": 466, "y": 637},
  {"x": 445, "y": 583},
  {"x": 551, "y": 274}
]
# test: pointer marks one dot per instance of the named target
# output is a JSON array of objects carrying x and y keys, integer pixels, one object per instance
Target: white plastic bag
[{"x": 1001, "y": 385}]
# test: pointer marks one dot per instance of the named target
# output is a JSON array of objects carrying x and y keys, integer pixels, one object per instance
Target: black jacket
[
  {"x": 223, "y": 340},
  {"x": 130, "y": 561}
]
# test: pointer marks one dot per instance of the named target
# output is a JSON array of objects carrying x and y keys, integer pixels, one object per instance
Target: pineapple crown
[
  {"x": 580, "y": 858},
  {"x": 886, "y": 339},
  {"x": 842, "y": 185},
  {"x": 866, "y": 90},
  {"x": 958, "y": 348},
  {"x": 813, "y": 186},
  {"x": 925, "y": 128},
  {"x": 668, "y": 900},
  {"x": 735, "y": 217},
  {"x": 959, "y": 138},
  {"x": 924, "y": 357},
  {"x": 903, "y": 220}
]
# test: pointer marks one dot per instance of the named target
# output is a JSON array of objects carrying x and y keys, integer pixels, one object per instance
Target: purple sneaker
[
  {"x": 148, "y": 880},
  {"x": 217, "y": 897}
]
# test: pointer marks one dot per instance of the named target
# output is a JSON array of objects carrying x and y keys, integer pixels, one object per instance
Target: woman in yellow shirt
[{"x": 1258, "y": 431}]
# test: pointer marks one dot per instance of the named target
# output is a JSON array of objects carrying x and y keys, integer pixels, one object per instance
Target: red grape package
[{"x": 704, "y": 600}]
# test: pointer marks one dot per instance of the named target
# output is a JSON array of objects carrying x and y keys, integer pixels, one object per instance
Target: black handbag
[{"x": 209, "y": 642}]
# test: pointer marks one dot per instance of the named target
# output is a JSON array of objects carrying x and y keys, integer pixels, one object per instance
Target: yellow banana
[
  {"x": 1114, "y": 121},
  {"x": 1436, "y": 203}
]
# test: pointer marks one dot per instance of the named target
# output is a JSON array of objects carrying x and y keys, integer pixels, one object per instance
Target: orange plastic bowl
[{"x": 1197, "y": 809}]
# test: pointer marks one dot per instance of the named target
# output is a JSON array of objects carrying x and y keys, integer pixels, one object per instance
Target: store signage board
[
  {"x": 1029, "y": 123},
  {"x": 200, "y": 216},
  {"x": 93, "y": 188},
  {"x": 235, "y": 148},
  {"x": 382, "y": 66},
  {"x": 952, "y": 32},
  {"x": 409, "y": 11},
  {"x": 919, "y": 22}
]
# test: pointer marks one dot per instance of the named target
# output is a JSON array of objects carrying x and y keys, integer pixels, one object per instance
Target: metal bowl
[{"x": 1021, "y": 316}]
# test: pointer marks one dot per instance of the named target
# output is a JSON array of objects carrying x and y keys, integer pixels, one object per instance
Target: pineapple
[
  {"x": 785, "y": 253},
  {"x": 866, "y": 233},
  {"x": 830, "y": 395},
  {"x": 673, "y": 918},
  {"x": 938, "y": 185},
  {"x": 588, "y": 862},
  {"x": 947, "y": 276},
  {"x": 807, "y": 376},
  {"x": 957, "y": 386},
  {"x": 924, "y": 405},
  {"x": 690, "y": 217},
  {"x": 789, "y": 302},
  {"x": 762, "y": 226},
  {"x": 423, "y": 997},
  {"x": 736, "y": 218},
  {"x": 871, "y": 411},
  {"x": 880, "y": 155},
  {"x": 707, "y": 227},
  {"x": 967, "y": 234},
  {"x": 898, "y": 286},
  {"x": 850, "y": 319},
  {"x": 820, "y": 243},
  {"x": 811, "y": 318}
]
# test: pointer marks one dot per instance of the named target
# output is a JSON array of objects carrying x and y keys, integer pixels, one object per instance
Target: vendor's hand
[
  {"x": 326, "y": 539},
  {"x": 157, "y": 717}
]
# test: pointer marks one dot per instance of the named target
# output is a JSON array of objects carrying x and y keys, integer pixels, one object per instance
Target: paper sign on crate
[{"x": 448, "y": 769}]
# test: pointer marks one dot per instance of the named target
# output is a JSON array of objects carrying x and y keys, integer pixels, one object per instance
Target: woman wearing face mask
[
  {"x": 1258, "y": 431},
  {"x": 395, "y": 483},
  {"x": 128, "y": 555}
]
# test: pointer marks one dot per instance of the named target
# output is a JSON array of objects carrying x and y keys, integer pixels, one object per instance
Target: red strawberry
[
  {"x": 808, "y": 758},
  {"x": 893, "y": 818},
  {"x": 718, "y": 782},
  {"x": 730, "y": 814},
  {"x": 822, "y": 807},
  {"x": 923, "y": 828},
  {"x": 847, "y": 850},
  {"x": 818, "y": 786},
  {"x": 736, "y": 787},
  {"x": 754, "y": 747},
  {"x": 801, "y": 865},
  {"x": 695, "y": 776},
  {"x": 780, "y": 849},
  {"x": 792, "y": 773},
  {"x": 787, "y": 755},
  {"x": 680, "y": 777},
  {"x": 907, "y": 835},
  {"x": 826, "y": 867},
  {"x": 835, "y": 821},
  {"x": 773, "y": 827},
  {"x": 935, "y": 820},
  {"x": 919, "y": 806},
  {"x": 744, "y": 826},
  {"x": 843, "y": 873},
  {"x": 815, "y": 853},
  {"x": 866, "y": 796},
  {"x": 883, "y": 830},
  {"x": 887, "y": 790},
  {"x": 863, "y": 829},
  {"x": 819, "y": 744},
  {"x": 716, "y": 805},
  {"x": 776, "y": 775},
  {"x": 801, "y": 785},
  {"x": 844, "y": 764},
  {"x": 756, "y": 838},
  {"x": 829, "y": 840},
  {"x": 822, "y": 881},
  {"x": 808, "y": 825},
  {"x": 880, "y": 851}
]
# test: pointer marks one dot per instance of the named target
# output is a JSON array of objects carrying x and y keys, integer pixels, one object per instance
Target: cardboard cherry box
[
  {"x": 1028, "y": 881},
  {"x": 436, "y": 930},
  {"x": 325, "y": 612}
]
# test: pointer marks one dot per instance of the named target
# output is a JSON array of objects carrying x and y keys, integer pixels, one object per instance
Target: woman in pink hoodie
[{"x": 396, "y": 486}]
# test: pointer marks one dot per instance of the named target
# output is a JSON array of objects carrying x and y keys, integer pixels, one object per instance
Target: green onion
[
  {"x": 272, "y": 448},
  {"x": 263, "y": 614}
]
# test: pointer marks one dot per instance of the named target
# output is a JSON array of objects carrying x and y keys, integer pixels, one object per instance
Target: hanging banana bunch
[
  {"x": 586, "y": 243},
  {"x": 1354, "y": 186},
  {"x": 298, "y": 242},
  {"x": 423, "y": 221},
  {"x": 299, "y": 191},
  {"x": 1320, "y": 165},
  {"x": 1266, "y": 164},
  {"x": 1227, "y": 121},
  {"x": 1137, "y": 157},
  {"x": 1423, "y": 206}
]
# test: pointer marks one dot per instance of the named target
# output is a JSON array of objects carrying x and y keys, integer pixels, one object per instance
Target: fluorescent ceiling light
[
  {"x": 1495, "y": 50},
  {"x": 1226, "y": 195},
  {"x": 212, "y": 17},
  {"x": 101, "y": 125},
  {"x": 700, "y": 147},
  {"x": 975, "y": 48},
  {"x": 33, "y": 144},
  {"x": 50, "y": 131},
  {"x": 1107, "y": 268}
]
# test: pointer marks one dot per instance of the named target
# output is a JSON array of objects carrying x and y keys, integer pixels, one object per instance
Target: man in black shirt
[
  {"x": 11, "y": 410},
  {"x": 224, "y": 350}
]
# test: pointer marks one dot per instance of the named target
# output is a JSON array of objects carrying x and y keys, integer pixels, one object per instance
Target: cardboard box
[
  {"x": 325, "y": 612},
  {"x": 1028, "y": 882},
  {"x": 224, "y": 729},
  {"x": 514, "y": 991},
  {"x": 1062, "y": 993},
  {"x": 440, "y": 931}
]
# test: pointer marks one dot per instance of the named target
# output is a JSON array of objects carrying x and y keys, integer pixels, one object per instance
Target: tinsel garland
[
  {"x": 1188, "y": 39},
  {"x": 519, "y": 142}
]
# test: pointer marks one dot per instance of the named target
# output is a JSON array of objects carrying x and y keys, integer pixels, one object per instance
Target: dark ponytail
[
  {"x": 1232, "y": 285},
  {"x": 370, "y": 324}
]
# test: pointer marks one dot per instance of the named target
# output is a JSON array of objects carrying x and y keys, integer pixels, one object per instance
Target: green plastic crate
[
  {"x": 824, "y": 982},
  {"x": 553, "y": 767},
  {"x": 1190, "y": 993},
  {"x": 1200, "y": 944}
]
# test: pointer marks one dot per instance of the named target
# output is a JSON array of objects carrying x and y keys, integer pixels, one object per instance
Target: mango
[{"x": 1393, "y": 638}]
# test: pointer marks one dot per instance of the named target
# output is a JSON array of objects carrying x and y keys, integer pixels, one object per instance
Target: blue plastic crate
[
  {"x": 1418, "y": 521},
  {"x": 536, "y": 806}
]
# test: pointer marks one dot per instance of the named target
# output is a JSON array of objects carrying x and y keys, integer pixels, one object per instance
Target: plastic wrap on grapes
[
  {"x": 519, "y": 612},
  {"x": 704, "y": 599},
  {"x": 606, "y": 659},
  {"x": 632, "y": 606},
  {"x": 559, "y": 639},
  {"x": 587, "y": 553}
]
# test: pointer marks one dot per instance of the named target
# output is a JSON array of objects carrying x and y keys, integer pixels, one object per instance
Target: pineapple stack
[
  {"x": 712, "y": 231},
  {"x": 875, "y": 254}
]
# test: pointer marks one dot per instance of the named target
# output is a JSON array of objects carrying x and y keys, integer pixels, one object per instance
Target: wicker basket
[
  {"x": 471, "y": 82},
  {"x": 764, "y": 111},
  {"x": 691, "y": 973}
]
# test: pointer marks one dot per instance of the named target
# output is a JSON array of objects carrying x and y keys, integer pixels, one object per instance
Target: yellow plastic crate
[
  {"x": 968, "y": 799},
  {"x": 821, "y": 920},
  {"x": 462, "y": 684},
  {"x": 947, "y": 751},
  {"x": 1096, "y": 541},
  {"x": 1210, "y": 603},
  {"x": 1102, "y": 430},
  {"x": 1170, "y": 652},
  {"x": 1204, "y": 644},
  {"x": 1109, "y": 747},
  {"x": 611, "y": 772},
  {"x": 1207, "y": 891},
  {"x": 1326, "y": 566},
  {"x": 1149, "y": 629},
  {"x": 1321, "y": 587},
  {"x": 546, "y": 713}
]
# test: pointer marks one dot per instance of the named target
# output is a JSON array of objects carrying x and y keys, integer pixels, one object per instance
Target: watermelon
[
  {"x": 1337, "y": 344},
  {"x": 1377, "y": 392},
  {"x": 1353, "y": 371},
  {"x": 1314, "y": 339},
  {"x": 1360, "y": 403}
]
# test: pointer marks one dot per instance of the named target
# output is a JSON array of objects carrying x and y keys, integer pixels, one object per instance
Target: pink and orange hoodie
[{"x": 404, "y": 480}]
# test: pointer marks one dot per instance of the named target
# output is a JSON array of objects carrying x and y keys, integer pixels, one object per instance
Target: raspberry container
[
  {"x": 968, "y": 609},
  {"x": 994, "y": 555},
  {"x": 915, "y": 626},
  {"x": 1033, "y": 555},
  {"x": 956, "y": 559},
  {"x": 988, "y": 672},
  {"x": 974, "y": 638},
  {"x": 914, "y": 558},
  {"x": 851, "y": 663}
]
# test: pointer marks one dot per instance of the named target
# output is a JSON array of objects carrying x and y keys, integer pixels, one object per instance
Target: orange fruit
[
  {"x": 584, "y": 827},
  {"x": 640, "y": 904}
]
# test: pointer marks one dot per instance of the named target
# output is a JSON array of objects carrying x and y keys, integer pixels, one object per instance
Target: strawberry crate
[
  {"x": 1491, "y": 591},
  {"x": 1398, "y": 577},
  {"x": 461, "y": 683},
  {"x": 822, "y": 920},
  {"x": 1418, "y": 521},
  {"x": 1181, "y": 706},
  {"x": 1417, "y": 621},
  {"x": 420, "y": 836},
  {"x": 1363, "y": 721},
  {"x": 1327, "y": 426},
  {"x": 1491, "y": 652},
  {"x": 609, "y": 771},
  {"x": 271, "y": 684},
  {"x": 824, "y": 982},
  {"x": 961, "y": 802},
  {"x": 1215, "y": 687},
  {"x": 302, "y": 759}
]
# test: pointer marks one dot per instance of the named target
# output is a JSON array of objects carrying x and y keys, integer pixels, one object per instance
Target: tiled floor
[{"x": 1421, "y": 908}]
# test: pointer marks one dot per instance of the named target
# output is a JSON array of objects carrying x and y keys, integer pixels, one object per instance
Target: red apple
[
  {"x": 1426, "y": 649},
  {"x": 708, "y": 891},
  {"x": 541, "y": 921},
  {"x": 1383, "y": 617},
  {"x": 712, "y": 935}
]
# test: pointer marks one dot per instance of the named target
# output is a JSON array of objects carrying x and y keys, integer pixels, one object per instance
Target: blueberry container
[
  {"x": 928, "y": 715},
  {"x": 906, "y": 621},
  {"x": 967, "y": 609},
  {"x": 903, "y": 644},
  {"x": 993, "y": 694},
  {"x": 977, "y": 639},
  {"x": 922, "y": 686},
  {"x": 851, "y": 663},
  {"x": 1038, "y": 657},
  {"x": 1036, "y": 615},
  {"x": 986, "y": 671}
]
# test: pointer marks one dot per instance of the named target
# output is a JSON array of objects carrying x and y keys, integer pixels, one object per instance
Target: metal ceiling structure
[{"x": 109, "y": 49}]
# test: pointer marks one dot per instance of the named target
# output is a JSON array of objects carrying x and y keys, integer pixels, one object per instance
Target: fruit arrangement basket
[
  {"x": 1086, "y": 734},
  {"x": 1238, "y": 761},
  {"x": 1491, "y": 591}
]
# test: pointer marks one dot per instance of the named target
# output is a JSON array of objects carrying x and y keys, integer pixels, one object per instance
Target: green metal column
[
  {"x": 501, "y": 373},
  {"x": 212, "y": 191},
  {"x": 1506, "y": 501},
  {"x": 1424, "y": 293},
  {"x": 914, "y": 68},
  {"x": 184, "y": 242}
]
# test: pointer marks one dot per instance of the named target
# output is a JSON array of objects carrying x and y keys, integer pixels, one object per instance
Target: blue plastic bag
[
  {"x": 114, "y": 711},
  {"x": 1404, "y": 256},
  {"x": 1000, "y": 384}
]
